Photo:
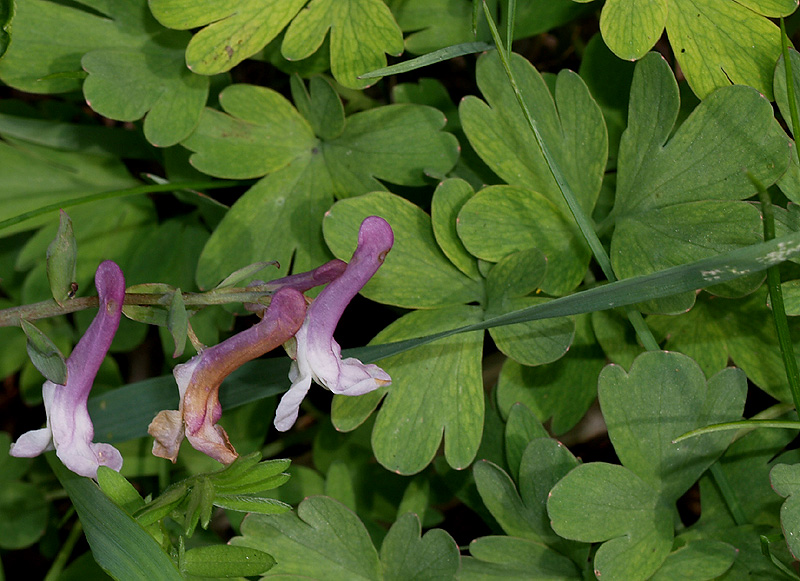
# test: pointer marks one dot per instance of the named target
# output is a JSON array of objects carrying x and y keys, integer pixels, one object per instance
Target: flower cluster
[{"x": 307, "y": 334}]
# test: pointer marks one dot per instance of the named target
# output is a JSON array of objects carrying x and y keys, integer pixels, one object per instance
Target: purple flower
[
  {"x": 69, "y": 428},
  {"x": 199, "y": 380},
  {"x": 316, "y": 353}
]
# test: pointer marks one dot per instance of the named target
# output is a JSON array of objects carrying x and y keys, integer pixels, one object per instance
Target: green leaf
[
  {"x": 716, "y": 330},
  {"x": 61, "y": 260},
  {"x": 676, "y": 200},
  {"x": 323, "y": 538},
  {"x": 523, "y": 514},
  {"x": 153, "y": 82},
  {"x": 663, "y": 396},
  {"x": 780, "y": 87},
  {"x": 785, "y": 479},
  {"x": 510, "y": 558},
  {"x": 629, "y": 32},
  {"x": 283, "y": 211},
  {"x": 448, "y": 199},
  {"x": 116, "y": 487},
  {"x": 405, "y": 438},
  {"x": 44, "y": 354},
  {"x": 543, "y": 388},
  {"x": 571, "y": 124},
  {"x": 599, "y": 502},
  {"x": 163, "y": 505},
  {"x": 178, "y": 322},
  {"x": 250, "y": 503},
  {"x": 35, "y": 176},
  {"x": 521, "y": 427},
  {"x": 361, "y": 32},
  {"x": 522, "y": 219},
  {"x": 697, "y": 561},
  {"x": 320, "y": 105},
  {"x": 716, "y": 42},
  {"x": 507, "y": 283},
  {"x": 406, "y": 554},
  {"x": 235, "y": 31},
  {"x": 23, "y": 514},
  {"x": 119, "y": 545},
  {"x": 243, "y": 143},
  {"x": 415, "y": 265},
  {"x": 225, "y": 561},
  {"x": 33, "y": 63}
]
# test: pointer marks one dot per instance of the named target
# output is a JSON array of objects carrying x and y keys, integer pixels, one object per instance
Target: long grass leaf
[
  {"x": 431, "y": 58},
  {"x": 125, "y": 413}
]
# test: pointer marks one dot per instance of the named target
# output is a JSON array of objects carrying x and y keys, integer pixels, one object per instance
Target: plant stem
[
  {"x": 65, "y": 552},
  {"x": 787, "y": 67},
  {"x": 581, "y": 219},
  {"x": 10, "y": 317},
  {"x": 776, "y": 298}
]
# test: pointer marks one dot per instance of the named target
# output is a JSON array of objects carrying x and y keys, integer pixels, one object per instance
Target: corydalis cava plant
[
  {"x": 316, "y": 353},
  {"x": 69, "y": 428}
]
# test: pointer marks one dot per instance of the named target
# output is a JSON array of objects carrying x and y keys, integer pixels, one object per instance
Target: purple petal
[
  {"x": 68, "y": 419},
  {"x": 317, "y": 355},
  {"x": 200, "y": 378}
]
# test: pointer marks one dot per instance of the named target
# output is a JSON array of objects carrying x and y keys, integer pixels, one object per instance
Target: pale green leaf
[
  {"x": 405, "y": 438},
  {"x": 322, "y": 536},
  {"x": 571, "y": 124},
  {"x": 244, "y": 143},
  {"x": 35, "y": 176},
  {"x": 631, "y": 29},
  {"x": 522, "y": 219},
  {"x": 236, "y": 30},
  {"x": 414, "y": 267},
  {"x": 362, "y": 31},
  {"x": 716, "y": 42},
  {"x": 563, "y": 390},
  {"x": 785, "y": 479},
  {"x": 448, "y": 199}
]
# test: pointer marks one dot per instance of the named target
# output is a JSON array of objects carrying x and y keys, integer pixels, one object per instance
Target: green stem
[
  {"x": 776, "y": 298},
  {"x": 138, "y": 190},
  {"x": 10, "y": 317},
  {"x": 787, "y": 67},
  {"x": 581, "y": 219},
  {"x": 65, "y": 552},
  {"x": 510, "y": 18}
]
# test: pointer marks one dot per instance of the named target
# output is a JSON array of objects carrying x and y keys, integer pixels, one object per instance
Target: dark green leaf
[
  {"x": 119, "y": 545},
  {"x": 225, "y": 561},
  {"x": 44, "y": 354},
  {"x": 61, "y": 260}
]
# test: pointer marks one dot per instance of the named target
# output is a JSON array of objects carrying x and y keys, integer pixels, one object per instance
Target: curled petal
[
  {"x": 316, "y": 354},
  {"x": 199, "y": 380}
]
